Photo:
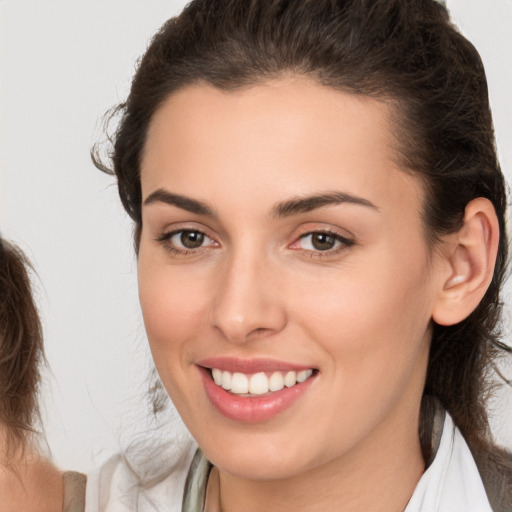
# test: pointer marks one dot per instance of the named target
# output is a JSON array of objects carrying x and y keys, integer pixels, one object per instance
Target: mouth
[
  {"x": 260, "y": 383},
  {"x": 253, "y": 392}
]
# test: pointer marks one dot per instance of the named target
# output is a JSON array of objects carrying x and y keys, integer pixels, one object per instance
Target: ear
[{"x": 469, "y": 260}]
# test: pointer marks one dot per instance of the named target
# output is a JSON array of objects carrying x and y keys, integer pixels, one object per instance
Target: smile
[
  {"x": 254, "y": 391},
  {"x": 260, "y": 383}
]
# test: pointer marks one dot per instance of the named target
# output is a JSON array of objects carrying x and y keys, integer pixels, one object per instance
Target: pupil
[
  {"x": 323, "y": 242},
  {"x": 192, "y": 239}
]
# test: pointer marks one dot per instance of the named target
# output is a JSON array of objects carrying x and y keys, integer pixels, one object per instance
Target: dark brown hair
[
  {"x": 405, "y": 52},
  {"x": 21, "y": 350}
]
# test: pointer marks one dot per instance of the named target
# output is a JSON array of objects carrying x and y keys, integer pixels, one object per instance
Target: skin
[
  {"x": 360, "y": 313},
  {"x": 29, "y": 482}
]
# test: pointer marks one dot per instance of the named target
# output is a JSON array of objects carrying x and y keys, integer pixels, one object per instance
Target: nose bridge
[{"x": 247, "y": 303}]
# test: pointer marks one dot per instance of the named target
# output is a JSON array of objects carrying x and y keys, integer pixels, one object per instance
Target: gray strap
[
  {"x": 195, "y": 486},
  {"x": 74, "y": 491}
]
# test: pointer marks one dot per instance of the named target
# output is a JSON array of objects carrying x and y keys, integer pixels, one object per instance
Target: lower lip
[{"x": 252, "y": 409}]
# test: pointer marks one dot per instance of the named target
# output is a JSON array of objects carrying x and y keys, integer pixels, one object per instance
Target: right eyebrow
[
  {"x": 298, "y": 205},
  {"x": 185, "y": 203}
]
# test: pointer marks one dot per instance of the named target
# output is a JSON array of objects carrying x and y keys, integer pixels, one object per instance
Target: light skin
[
  {"x": 311, "y": 250},
  {"x": 28, "y": 481}
]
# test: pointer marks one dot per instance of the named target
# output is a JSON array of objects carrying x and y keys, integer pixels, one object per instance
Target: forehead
[
  {"x": 287, "y": 136},
  {"x": 294, "y": 105}
]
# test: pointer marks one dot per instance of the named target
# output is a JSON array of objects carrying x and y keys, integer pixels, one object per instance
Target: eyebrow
[
  {"x": 306, "y": 204},
  {"x": 287, "y": 208},
  {"x": 183, "y": 202}
]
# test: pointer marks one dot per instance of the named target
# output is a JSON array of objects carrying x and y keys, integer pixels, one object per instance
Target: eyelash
[
  {"x": 344, "y": 243},
  {"x": 165, "y": 240}
]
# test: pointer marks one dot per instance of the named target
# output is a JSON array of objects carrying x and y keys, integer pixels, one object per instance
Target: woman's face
[{"x": 282, "y": 246}]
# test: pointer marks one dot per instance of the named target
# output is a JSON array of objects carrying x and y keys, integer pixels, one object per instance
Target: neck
[{"x": 379, "y": 475}]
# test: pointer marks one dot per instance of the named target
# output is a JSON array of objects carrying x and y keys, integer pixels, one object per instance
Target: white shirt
[{"x": 452, "y": 482}]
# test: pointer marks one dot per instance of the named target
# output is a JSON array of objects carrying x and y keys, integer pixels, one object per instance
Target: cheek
[
  {"x": 374, "y": 315},
  {"x": 374, "y": 332},
  {"x": 173, "y": 305}
]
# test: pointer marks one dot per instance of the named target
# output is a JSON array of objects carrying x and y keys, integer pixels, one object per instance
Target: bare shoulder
[{"x": 33, "y": 485}]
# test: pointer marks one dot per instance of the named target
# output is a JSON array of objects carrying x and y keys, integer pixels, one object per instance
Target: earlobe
[{"x": 471, "y": 258}]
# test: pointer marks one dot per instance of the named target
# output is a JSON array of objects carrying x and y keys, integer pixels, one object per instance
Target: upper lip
[{"x": 250, "y": 366}]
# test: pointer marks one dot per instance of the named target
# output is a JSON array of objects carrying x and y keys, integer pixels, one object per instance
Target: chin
[{"x": 259, "y": 459}]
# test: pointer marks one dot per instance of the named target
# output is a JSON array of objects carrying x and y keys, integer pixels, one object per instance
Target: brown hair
[
  {"x": 21, "y": 350},
  {"x": 405, "y": 52}
]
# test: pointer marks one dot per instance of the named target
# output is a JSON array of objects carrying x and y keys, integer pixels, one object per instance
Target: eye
[
  {"x": 319, "y": 242},
  {"x": 185, "y": 240},
  {"x": 188, "y": 239},
  {"x": 322, "y": 241}
]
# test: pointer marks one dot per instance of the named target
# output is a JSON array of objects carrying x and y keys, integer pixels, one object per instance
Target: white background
[{"x": 63, "y": 63}]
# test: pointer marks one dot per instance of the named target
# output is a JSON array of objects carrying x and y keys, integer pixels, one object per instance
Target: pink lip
[
  {"x": 250, "y": 366},
  {"x": 251, "y": 409}
]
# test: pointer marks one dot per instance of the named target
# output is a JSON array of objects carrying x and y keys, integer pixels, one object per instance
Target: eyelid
[
  {"x": 322, "y": 227},
  {"x": 177, "y": 227},
  {"x": 171, "y": 234},
  {"x": 345, "y": 238},
  {"x": 165, "y": 235}
]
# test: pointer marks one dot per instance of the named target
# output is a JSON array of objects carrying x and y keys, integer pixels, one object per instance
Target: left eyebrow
[
  {"x": 183, "y": 202},
  {"x": 309, "y": 203}
]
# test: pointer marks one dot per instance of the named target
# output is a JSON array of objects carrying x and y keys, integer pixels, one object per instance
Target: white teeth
[
  {"x": 276, "y": 382},
  {"x": 258, "y": 383},
  {"x": 226, "y": 380},
  {"x": 239, "y": 383},
  {"x": 290, "y": 379},
  {"x": 217, "y": 376},
  {"x": 304, "y": 375}
]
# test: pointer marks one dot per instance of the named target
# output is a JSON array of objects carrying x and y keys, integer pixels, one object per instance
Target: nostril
[
  {"x": 259, "y": 332},
  {"x": 237, "y": 333}
]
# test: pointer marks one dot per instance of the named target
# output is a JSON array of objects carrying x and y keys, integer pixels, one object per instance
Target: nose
[{"x": 248, "y": 304}]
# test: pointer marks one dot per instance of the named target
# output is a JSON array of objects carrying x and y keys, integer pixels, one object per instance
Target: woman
[
  {"x": 319, "y": 217},
  {"x": 28, "y": 481}
]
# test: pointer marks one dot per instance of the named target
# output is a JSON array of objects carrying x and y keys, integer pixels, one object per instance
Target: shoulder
[
  {"x": 492, "y": 464},
  {"x": 34, "y": 484},
  {"x": 453, "y": 480},
  {"x": 147, "y": 478}
]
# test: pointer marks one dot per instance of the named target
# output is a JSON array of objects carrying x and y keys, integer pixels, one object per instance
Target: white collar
[{"x": 452, "y": 482}]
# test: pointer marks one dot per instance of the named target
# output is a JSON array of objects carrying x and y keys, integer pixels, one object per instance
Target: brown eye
[
  {"x": 322, "y": 241},
  {"x": 191, "y": 239},
  {"x": 185, "y": 242}
]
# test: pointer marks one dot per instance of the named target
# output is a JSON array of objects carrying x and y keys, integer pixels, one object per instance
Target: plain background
[{"x": 63, "y": 64}]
